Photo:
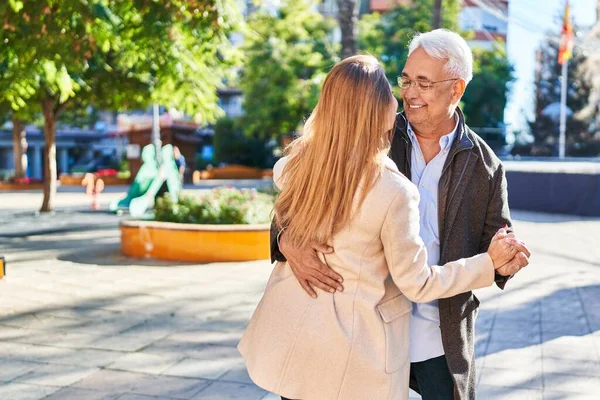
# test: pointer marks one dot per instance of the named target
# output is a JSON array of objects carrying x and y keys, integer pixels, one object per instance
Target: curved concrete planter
[
  {"x": 232, "y": 172},
  {"x": 194, "y": 242}
]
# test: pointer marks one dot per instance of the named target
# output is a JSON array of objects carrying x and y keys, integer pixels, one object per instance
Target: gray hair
[{"x": 443, "y": 44}]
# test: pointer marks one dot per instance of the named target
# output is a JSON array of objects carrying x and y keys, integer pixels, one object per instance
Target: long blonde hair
[{"x": 343, "y": 145}]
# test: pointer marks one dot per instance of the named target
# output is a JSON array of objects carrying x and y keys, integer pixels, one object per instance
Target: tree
[
  {"x": 590, "y": 71},
  {"x": 485, "y": 98},
  {"x": 348, "y": 20},
  {"x": 113, "y": 55},
  {"x": 288, "y": 56},
  {"x": 387, "y": 36},
  {"x": 18, "y": 120},
  {"x": 547, "y": 93},
  {"x": 437, "y": 14}
]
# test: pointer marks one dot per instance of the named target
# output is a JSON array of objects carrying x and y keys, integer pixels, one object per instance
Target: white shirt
[{"x": 425, "y": 333}]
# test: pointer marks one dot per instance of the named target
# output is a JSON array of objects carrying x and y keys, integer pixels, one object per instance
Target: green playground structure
[{"x": 149, "y": 180}]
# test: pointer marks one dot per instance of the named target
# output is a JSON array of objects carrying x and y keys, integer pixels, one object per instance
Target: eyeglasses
[{"x": 422, "y": 85}]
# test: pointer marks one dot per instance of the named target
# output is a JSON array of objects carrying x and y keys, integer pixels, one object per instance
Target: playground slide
[{"x": 149, "y": 180}]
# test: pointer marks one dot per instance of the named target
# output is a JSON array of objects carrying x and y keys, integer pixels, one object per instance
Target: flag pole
[{"x": 563, "y": 111}]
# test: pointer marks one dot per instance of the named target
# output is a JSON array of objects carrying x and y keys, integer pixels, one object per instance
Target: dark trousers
[{"x": 433, "y": 379}]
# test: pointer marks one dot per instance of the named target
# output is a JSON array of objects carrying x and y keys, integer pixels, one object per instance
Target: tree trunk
[
  {"x": 348, "y": 18},
  {"x": 19, "y": 147},
  {"x": 50, "y": 174},
  {"x": 437, "y": 14}
]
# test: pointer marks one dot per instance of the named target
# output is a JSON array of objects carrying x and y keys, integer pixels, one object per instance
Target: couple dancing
[{"x": 349, "y": 221}]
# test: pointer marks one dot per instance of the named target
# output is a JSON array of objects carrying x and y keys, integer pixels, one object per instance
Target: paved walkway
[{"x": 80, "y": 321}]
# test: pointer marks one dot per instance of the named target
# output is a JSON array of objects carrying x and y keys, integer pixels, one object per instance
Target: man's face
[{"x": 432, "y": 106}]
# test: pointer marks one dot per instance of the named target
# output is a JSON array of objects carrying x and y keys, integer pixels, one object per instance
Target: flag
[{"x": 565, "y": 50}]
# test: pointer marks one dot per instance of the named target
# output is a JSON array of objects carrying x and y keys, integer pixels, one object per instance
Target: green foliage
[
  {"x": 201, "y": 164},
  {"x": 231, "y": 146},
  {"x": 219, "y": 206},
  {"x": 485, "y": 98},
  {"x": 288, "y": 56},
  {"x": 113, "y": 55},
  {"x": 387, "y": 36},
  {"x": 227, "y": 140},
  {"x": 116, "y": 54}
]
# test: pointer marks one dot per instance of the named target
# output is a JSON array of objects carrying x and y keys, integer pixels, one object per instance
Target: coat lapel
[{"x": 455, "y": 178}]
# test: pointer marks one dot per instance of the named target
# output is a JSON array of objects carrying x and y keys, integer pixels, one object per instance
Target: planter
[
  {"x": 71, "y": 180},
  {"x": 229, "y": 172},
  {"x": 75, "y": 180},
  {"x": 114, "y": 180},
  {"x": 21, "y": 186},
  {"x": 194, "y": 242}
]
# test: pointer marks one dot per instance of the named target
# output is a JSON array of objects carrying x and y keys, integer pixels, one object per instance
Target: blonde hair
[{"x": 342, "y": 149}]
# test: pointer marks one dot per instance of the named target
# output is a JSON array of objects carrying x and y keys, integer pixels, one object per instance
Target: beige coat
[{"x": 355, "y": 344}]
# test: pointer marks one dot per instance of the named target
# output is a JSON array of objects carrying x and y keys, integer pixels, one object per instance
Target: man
[{"x": 463, "y": 203}]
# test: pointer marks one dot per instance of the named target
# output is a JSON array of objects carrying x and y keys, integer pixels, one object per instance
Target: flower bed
[{"x": 221, "y": 225}]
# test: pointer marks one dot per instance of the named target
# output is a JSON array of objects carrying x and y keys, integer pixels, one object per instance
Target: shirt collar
[{"x": 445, "y": 141}]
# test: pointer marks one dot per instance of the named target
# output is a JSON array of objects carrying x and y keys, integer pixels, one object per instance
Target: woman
[{"x": 339, "y": 187}]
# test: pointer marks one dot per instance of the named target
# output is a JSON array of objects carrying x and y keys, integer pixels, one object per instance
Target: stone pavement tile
[
  {"x": 481, "y": 347},
  {"x": 518, "y": 325},
  {"x": 11, "y": 369},
  {"x": 70, "y": 393},
  {"x": 117, "y": 381},
  {"x": 513, "y": 359},
  {"x": 133, "y": 396},
  {"x": 55, "y": 375},
  {"x": 151, "y": 385},
  {"x": 488, "y": 392},
  {"x": 572, "y": 367},
  {"x": 577, "y": 327},
  {"x": 87, "y": 357},
  {"x": 520, "y": 333},
  {"x": 236, "y": 325},
  {"x": 529, "y": 312},
  {"x": 526, "y": 379},
  {"x": 238, "y": 373},
  {"x": 495, "y": 346},
  {"x": 567, "y": 313},
  {"x": 552, "y": 395},
  {"x": 42, "y": 321},
  {"x": 230, "y": 391},
  {"x": 31, "y": 352},
  {"x": 273, "y": 396},
  {"x": 206, "y": 337},
  {"x": 167, "y": 346},
  {"x": 484, "y": 320},
  {"x": 122, "y": 342},
  {"x": 201, "y": 368},
  {"x": 571, "y": 347},
  {"x": 22, "y": 391},
  {"x": 146, "y": 363},
  {"x": 571, "y": 383}
]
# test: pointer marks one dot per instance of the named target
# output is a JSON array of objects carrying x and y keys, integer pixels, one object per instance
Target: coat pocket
[{"x": 394, "y": 313}]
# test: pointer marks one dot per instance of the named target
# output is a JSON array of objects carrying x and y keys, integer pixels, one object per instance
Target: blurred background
[{"x": 234, "y": 80}]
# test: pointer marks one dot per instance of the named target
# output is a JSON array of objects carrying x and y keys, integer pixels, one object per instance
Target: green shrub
[{"x": 218, "y": 206}]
